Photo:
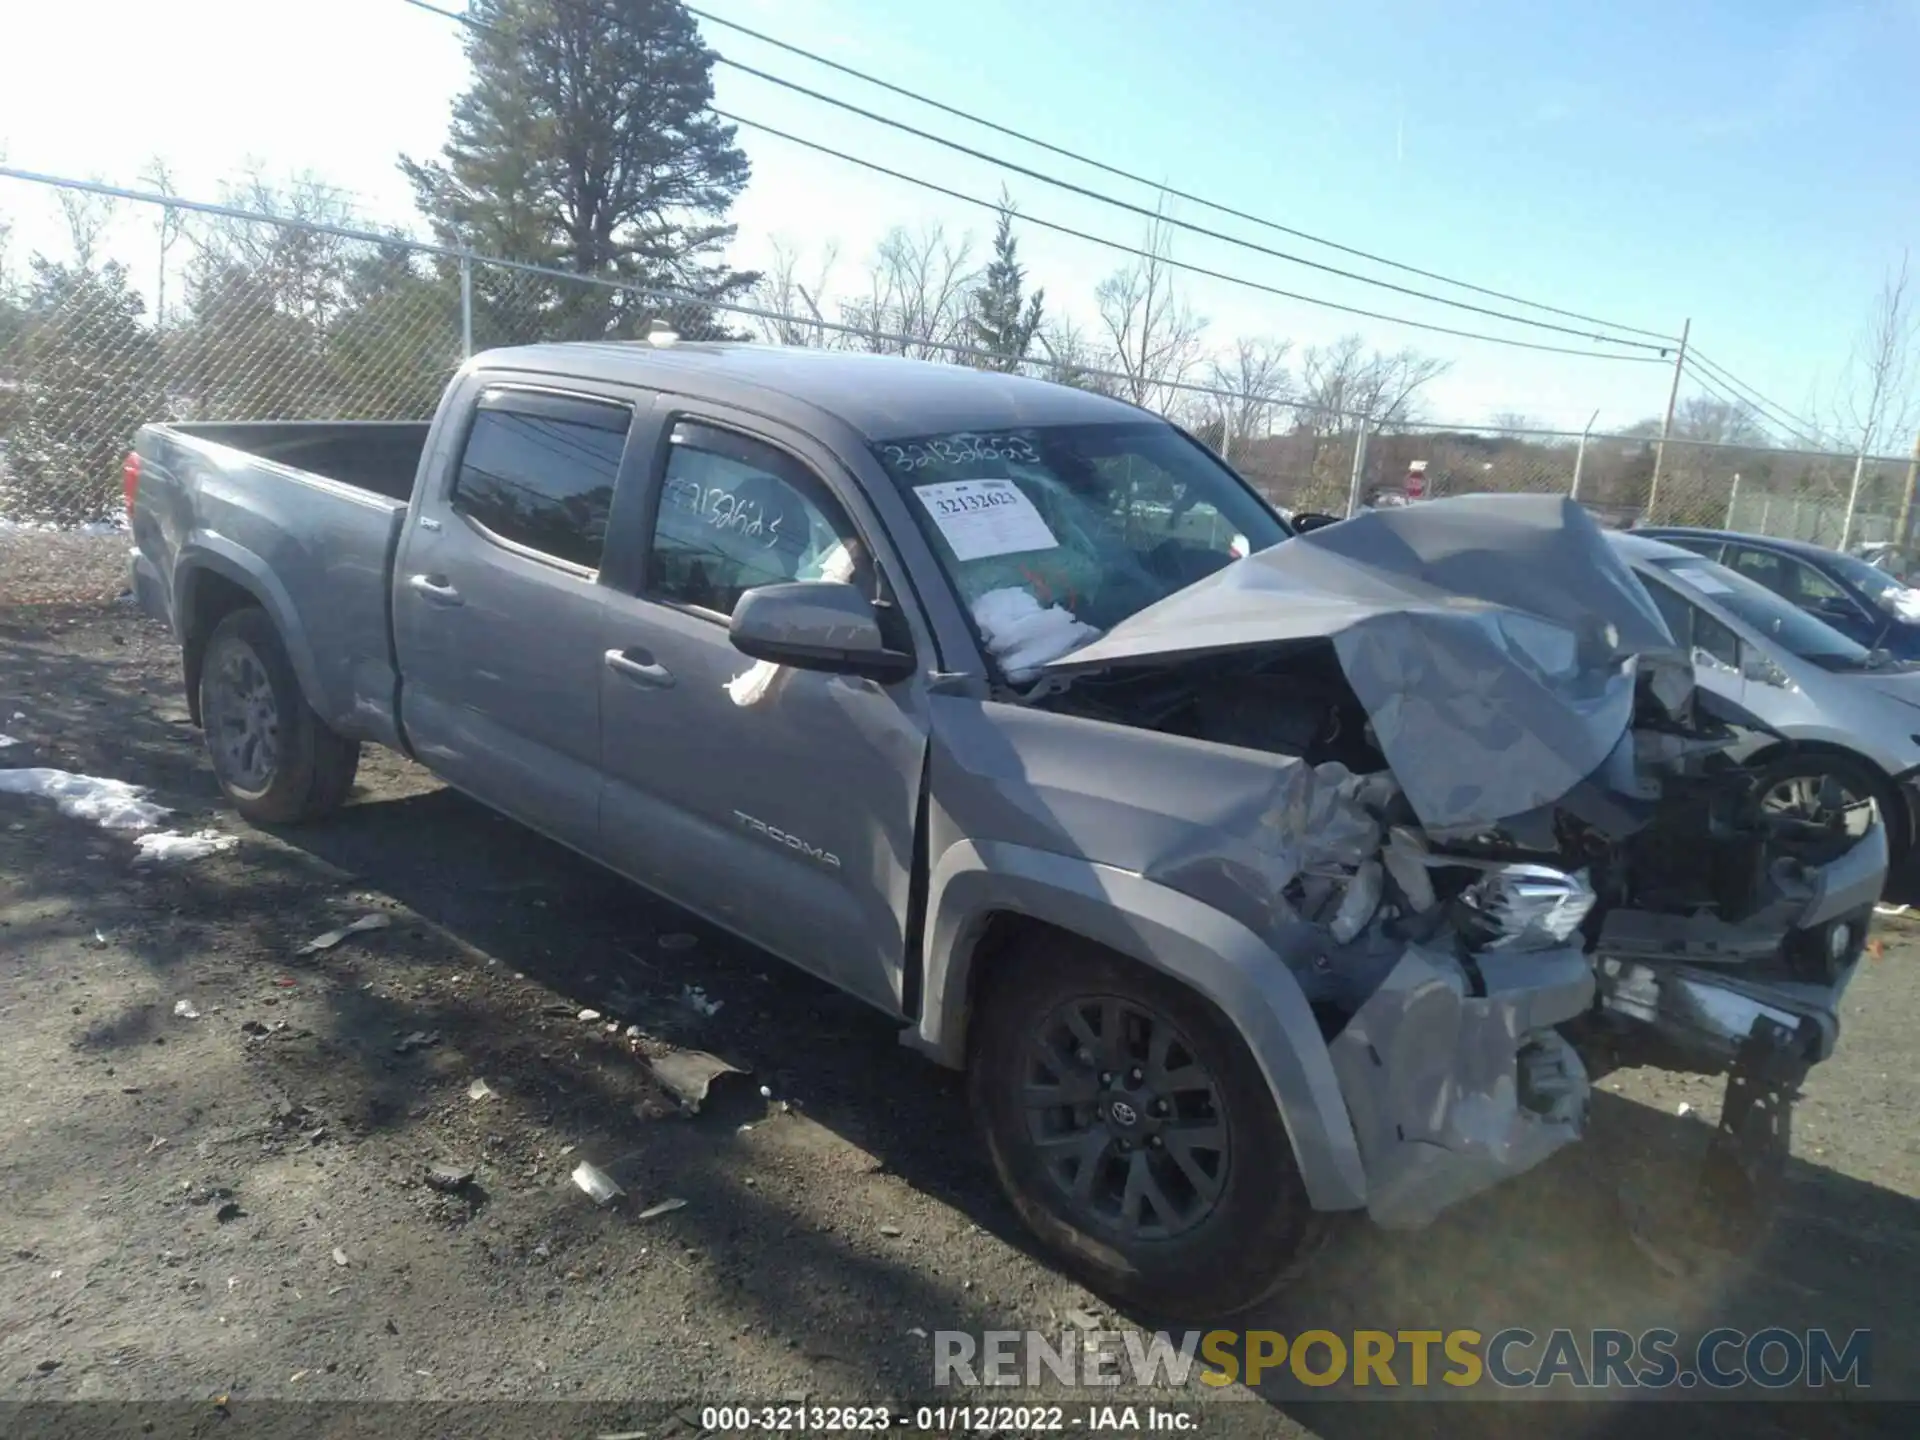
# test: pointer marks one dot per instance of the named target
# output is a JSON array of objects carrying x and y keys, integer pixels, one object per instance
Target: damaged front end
[{"x": 1512, "y": 853}]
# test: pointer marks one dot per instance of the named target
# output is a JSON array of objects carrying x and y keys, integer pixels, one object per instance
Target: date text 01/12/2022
[{"x": 945, "y": 1419}]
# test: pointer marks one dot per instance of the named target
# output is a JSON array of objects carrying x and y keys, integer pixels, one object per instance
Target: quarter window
[{"x": 539, "y": 471}]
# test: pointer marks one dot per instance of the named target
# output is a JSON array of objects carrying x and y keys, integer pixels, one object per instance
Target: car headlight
[{"x": 1528, "y": 907}]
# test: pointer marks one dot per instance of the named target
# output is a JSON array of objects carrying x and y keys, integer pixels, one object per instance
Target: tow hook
[{"x": 1747, "y": 1158}]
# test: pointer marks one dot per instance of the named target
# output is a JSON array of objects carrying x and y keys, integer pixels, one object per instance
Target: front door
[
  {"x": 780, "y": 803},
  {"x": 498, "y": 613}
]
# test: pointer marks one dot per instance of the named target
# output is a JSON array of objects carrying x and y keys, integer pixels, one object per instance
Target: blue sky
[{"x": 1748, "y": 163}]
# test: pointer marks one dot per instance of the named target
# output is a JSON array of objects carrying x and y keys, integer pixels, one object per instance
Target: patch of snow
[
  {"x": 6, "y": 740},
  {"x": 111, "y": 804},
  {"x": 165, "y": 847},
  {"x": 1022, "y": 635}
]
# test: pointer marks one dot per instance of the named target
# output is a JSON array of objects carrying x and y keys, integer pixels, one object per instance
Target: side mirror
[
  {"x": 1313, "y": 520},
  {"x": 815, "y": 625}
]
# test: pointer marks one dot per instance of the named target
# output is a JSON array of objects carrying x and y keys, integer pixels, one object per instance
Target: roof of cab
[{"x": 881, "y": 396}]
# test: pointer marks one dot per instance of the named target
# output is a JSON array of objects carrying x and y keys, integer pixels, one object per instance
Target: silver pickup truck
[{"x": 1252, "y": 876}]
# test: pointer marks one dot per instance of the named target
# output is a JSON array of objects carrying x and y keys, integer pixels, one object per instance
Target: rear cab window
[{"x": 538, "y": 472}]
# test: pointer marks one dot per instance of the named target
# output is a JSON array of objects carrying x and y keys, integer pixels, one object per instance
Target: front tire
[
  {"x": 1134, "y": 1133},
  {"x": 1790, "y": 785},
  {"x": 275, "y": 758}
]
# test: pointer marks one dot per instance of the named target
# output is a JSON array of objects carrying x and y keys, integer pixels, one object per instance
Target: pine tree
[
  {"x": 1004, "y": 323},
  {"x": 586, "y": 143}
]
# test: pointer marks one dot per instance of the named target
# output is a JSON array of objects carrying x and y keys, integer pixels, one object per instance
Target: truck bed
[
  {"x": 306, "y": 517},
  {"x": 376, "y": 455}
]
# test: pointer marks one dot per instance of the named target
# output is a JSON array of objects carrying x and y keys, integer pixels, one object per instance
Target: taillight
[{"x": 130, "y": 480}]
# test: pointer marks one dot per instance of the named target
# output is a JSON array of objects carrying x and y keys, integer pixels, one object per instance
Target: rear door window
[
  {"x": 1763, "y": 567},
  {"x": 539, "y": 469}
]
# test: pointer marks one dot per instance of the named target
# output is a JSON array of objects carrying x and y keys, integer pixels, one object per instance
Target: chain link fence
[{"x": 242, "y": 317}]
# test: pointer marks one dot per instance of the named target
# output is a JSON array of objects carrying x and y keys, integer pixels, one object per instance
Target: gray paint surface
[{"x": 815, "y": 820}]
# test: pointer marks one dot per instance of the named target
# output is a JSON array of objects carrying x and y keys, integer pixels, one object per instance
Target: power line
[
  {"x": 1139, "y": 253},
  {"x": 1707, "y": 383},
  {"x": 1779, "y": 414},
  {"x": 1172, "y": 264},
  {"x": 1160, "y": 218},
  {"x": 1128, "y": 175}
]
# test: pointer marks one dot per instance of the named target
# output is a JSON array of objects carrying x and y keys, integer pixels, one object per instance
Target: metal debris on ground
[
  {"x": 695, "y": 999},
  {"x": 375, "y": 921},
  {"x": 449, "y": 1177},
  {"x": 479, "y": 1090},
  {"x": 596, "y": 1182},
  {"x": 892, "y": 1232},
  {"x": 186, "y": 1010},
  {"x": 689, "y": 1074},
  {"x": 418, "y": 1040},
  {"x": 678, "y": 941},
  {"x": 663, "y": 1208}
]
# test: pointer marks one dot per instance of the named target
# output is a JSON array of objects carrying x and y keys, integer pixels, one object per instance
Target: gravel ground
[
  {"x": 241, "y": 1204},
  {"x": 62, "y": 568}
]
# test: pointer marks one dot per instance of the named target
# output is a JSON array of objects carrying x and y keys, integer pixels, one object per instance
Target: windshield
[
  {"x": 1099, "y": 520},
  {"x": 1876, "y": 584},
  {"x": 1788, "y": 626}
]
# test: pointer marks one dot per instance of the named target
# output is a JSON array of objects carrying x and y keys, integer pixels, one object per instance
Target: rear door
[
  {"x": 497, "y": 609},
  {"x": 780, "y": 803}
]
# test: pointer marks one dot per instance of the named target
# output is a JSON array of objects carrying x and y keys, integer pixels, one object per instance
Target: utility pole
[
  {"x": 1666, "y": 426},
  {"x": 1580, "y": 456},
  {"x": 1903, "y": 532}
]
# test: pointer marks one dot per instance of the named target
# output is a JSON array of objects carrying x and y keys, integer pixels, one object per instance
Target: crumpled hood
[{"x": 1491, "y": 638}]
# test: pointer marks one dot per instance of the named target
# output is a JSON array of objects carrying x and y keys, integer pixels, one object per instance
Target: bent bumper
[
  {"x": 1793, "y": 982},
  {"x": 1452, "y": 1092}
]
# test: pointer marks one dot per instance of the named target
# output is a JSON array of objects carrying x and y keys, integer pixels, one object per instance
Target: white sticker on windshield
[
  {"x": 1705, "y": 581},
  {"x": 984, "y": 518}
]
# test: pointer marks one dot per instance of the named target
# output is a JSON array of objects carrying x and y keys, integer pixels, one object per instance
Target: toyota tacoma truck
[{"x": 1252, "y": 876}]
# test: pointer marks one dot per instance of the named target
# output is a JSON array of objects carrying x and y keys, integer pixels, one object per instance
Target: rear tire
[
  {"x": 1162, "y": 1219},
  {"x": 275, "y": 758}
]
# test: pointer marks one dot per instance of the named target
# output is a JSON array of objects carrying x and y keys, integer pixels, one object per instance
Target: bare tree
[
  {"x": 1713, "y": 421},
  {"x": 797, "y": 319},
  {"x": 1345, "y": 379},
  {"x": 300, "y": 270},
  {"x": 917, "y": 295},
  {"x": 1514, "y": 424},
  {"x": 87, "y": 216},
  {"x": 159, "y": 175},
  {"x": 1153, "y": 334},
  {"x": 1249, "y": 381},
  {"x": 1073, "y": 359},
  {"x": 1879, "y": 403}
]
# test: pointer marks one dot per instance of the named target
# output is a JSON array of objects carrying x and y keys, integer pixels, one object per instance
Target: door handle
[
  {"x": 639, "y": 667},
  {"x": 434, "y": 590}
]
